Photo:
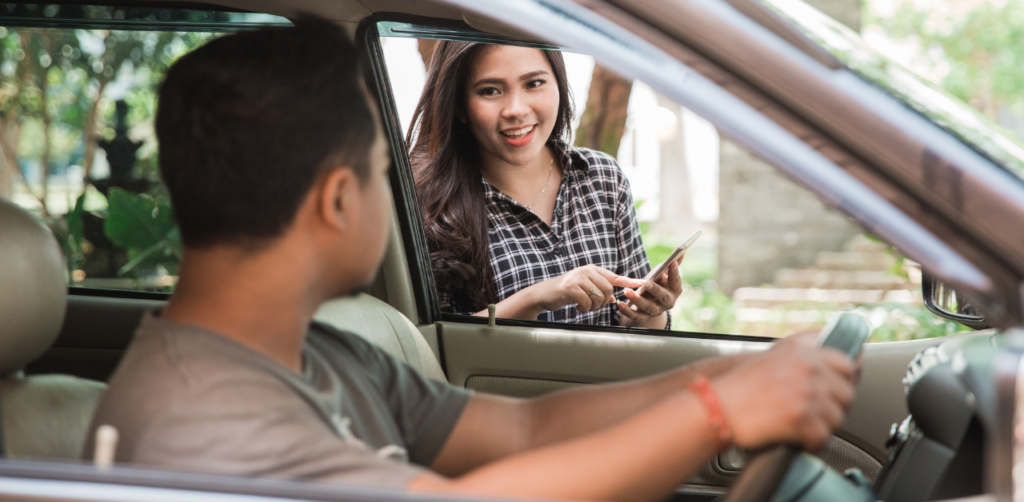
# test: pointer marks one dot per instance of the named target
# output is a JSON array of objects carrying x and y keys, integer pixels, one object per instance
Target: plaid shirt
[{"x": 594, "y": 223}]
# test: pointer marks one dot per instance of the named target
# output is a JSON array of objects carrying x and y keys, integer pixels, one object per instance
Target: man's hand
[{"x": 793, "y": 393}]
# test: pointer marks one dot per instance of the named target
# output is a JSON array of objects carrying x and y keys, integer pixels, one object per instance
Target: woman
[{"x": 513, "y": 214}]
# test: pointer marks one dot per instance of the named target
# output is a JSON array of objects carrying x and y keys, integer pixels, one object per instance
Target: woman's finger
[
  {"x": 591, "y": 301},
  {"x": 648, "y": 307},
  {"x": 663, "y": 296},
  {"x": 618, "y": 280},
  {"x": 577, "y": 295},
  {"x": 630, "y": 313},
  {"x": 605, "y": 286},
  {"x": 675, "y": 279}
]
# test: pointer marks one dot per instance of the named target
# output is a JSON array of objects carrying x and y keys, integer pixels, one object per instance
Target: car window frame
[
  {"x": 64, "y": 481},
  {"x": 410, "y": 219},
  {"x": 135, "y": 25}
]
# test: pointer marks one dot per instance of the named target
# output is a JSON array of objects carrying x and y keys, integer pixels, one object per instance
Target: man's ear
[{"x": 338, "y": 193}]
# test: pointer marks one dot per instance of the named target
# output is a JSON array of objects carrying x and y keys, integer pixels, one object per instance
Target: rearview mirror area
[{"x": 943, "y": 300}]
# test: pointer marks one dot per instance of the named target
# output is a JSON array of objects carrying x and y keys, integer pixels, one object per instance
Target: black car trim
[
  {"x": 118, "y": 293},
  {"x": 403, "y": 187},
  {"x": 23, "y": 19},
  {"x": 472, "y": 319}
]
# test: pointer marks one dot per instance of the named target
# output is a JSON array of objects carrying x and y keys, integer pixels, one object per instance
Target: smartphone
[{"x": 673, "y": 257}]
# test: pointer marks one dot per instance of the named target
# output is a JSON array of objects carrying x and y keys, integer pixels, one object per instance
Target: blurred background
[{"x": 77, "y": 148}]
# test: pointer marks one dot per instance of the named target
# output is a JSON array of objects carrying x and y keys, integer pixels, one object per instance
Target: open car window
[
  {"x": 77, "y": 105},
  {"x": 773, "y": 258}
]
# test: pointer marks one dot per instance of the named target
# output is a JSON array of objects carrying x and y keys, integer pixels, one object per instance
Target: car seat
[
  {"x": 41, "y": 416},
  {"x": 384, "y": 326}
]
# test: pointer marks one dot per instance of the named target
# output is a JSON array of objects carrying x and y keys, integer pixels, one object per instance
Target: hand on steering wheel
[
  {"x": 794, "y": 393},
  {"x": 816, "y": 406}
]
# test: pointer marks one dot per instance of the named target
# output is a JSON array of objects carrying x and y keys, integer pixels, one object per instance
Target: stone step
[
  {"x": 840, "y": 279},
  {"x": 854, "y": 260},
  {"x": 862, "y": 244},
  {"x": 808, "y": 298}
]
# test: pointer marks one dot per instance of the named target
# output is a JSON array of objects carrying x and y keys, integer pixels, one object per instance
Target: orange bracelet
[{"x": 701, "y": 386}]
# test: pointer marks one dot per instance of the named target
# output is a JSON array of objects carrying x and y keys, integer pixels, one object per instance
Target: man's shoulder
[{"x": 167, "y": 367}]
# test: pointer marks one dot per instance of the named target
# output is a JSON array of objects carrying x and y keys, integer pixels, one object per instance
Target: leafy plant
[
  {"x": 69, "y": 231},
  {"x": 146, "y": 228}
]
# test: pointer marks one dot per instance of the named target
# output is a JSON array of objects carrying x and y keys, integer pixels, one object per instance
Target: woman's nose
[{"x": 515, "y": 107}]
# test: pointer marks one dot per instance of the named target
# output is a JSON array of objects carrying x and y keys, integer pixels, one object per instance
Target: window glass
[
  {"x": 773, "y": 259},
  {"x": 77, "y": 103}
]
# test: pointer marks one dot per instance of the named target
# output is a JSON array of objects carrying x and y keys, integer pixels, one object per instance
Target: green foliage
[
  {"x": 702, "y": 307},
  {"x": 984, "y": 49},
  {"x": 892, "y": 322},
  {"x": 145, "y": 227},
  {"x": 69, "y": 231}
]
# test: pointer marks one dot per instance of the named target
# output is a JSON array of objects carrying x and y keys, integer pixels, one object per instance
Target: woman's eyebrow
[
  {"x": 496, "y": 81},
  {"x": 500, "y": 81},
  {"x": 527, "y": 76}
]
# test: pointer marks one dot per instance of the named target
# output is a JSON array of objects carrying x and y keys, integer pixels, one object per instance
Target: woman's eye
[
  {"x": 535, "y": 83},
  {"x": 488, "y": 91}
]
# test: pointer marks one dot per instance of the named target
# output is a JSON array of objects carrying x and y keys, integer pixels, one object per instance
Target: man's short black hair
[{"x": 249, "y": 121}]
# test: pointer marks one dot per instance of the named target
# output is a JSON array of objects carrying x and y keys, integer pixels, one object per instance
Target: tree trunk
[
  {"x": 676, "y": 214},
  {"x": 44, "y": 159},
  {"x": 10, "y": 134},
  {"x": 604, "y": 120},
  {"x": 89, "y": 134},
  {"x": 426, "y": 47},
  {"x": 7, "y": 165}
]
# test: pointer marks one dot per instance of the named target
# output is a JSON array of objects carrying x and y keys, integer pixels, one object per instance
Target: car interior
[{"x": 912, "y": 435}]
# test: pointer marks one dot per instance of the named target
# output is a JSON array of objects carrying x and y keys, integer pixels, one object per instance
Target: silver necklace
[{"x": 551, "y": 166}]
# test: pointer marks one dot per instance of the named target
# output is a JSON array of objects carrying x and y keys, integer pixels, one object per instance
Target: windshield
[{"x": 928, "y": 99}]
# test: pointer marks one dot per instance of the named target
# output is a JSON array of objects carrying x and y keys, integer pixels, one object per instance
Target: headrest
[{"x": 33, "y": 288}]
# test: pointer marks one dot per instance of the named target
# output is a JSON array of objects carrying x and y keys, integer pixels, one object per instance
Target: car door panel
[
  {"x": 95, "y": 332},
  {"x": 529, "y": 361}
]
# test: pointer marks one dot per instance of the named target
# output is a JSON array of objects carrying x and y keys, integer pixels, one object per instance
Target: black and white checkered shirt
[{"x": 594, "y": 223}]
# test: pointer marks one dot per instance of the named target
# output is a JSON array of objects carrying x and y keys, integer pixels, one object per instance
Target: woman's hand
[
  {"x": 659, "y": 296},
  {"x": 588, "y": 287}
]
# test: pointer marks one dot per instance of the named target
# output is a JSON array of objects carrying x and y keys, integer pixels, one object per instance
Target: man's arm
[
  {"x": 622, "y": 462},
  {"x": 793, "y": 394},
  {"x": 493, "y": 427}
]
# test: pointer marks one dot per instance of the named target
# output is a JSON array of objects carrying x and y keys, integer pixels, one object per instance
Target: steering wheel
[{"x": 766, "y": 468}]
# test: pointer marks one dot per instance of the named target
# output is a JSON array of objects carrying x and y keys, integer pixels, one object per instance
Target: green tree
[
  {"x": 983, "y": 47},
  {"x": 55, "y": 79}
]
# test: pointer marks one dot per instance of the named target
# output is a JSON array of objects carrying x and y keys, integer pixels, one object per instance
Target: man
[{"x": 276, "y": 165}]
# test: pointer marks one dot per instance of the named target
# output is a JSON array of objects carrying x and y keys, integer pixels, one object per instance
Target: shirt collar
[{"x": 567, "y": 155}]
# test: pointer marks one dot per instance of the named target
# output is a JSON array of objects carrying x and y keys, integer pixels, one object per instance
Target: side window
[
  {"x": 77, "y": 104},
  {"x": 773, "y": 258}
]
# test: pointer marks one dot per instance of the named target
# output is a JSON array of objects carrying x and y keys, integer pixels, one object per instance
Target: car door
[
  {"x": 525, "y": 359},
  {"x": 528, "y": 358}
]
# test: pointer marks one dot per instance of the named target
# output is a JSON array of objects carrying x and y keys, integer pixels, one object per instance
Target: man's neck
[{"x": 248, "y": 297}]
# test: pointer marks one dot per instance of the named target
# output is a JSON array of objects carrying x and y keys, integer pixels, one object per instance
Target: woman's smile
[{"x": 519, "y": 136}]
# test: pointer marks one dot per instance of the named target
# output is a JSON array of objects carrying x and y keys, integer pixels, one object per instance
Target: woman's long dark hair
[{"x": 446, "y": 166}]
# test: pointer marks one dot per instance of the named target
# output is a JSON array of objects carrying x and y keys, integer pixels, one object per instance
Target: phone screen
[{"x": 660, "y": 269}]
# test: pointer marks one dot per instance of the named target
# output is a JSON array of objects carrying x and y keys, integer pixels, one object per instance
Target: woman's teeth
[{"x": 519, "y": 133}]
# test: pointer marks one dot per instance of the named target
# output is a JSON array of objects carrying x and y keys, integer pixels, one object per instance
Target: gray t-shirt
[{"x": 189, "y": 399}]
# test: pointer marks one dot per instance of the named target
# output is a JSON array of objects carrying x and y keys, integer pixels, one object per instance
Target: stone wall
[{"x": 766, "y": 221}]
